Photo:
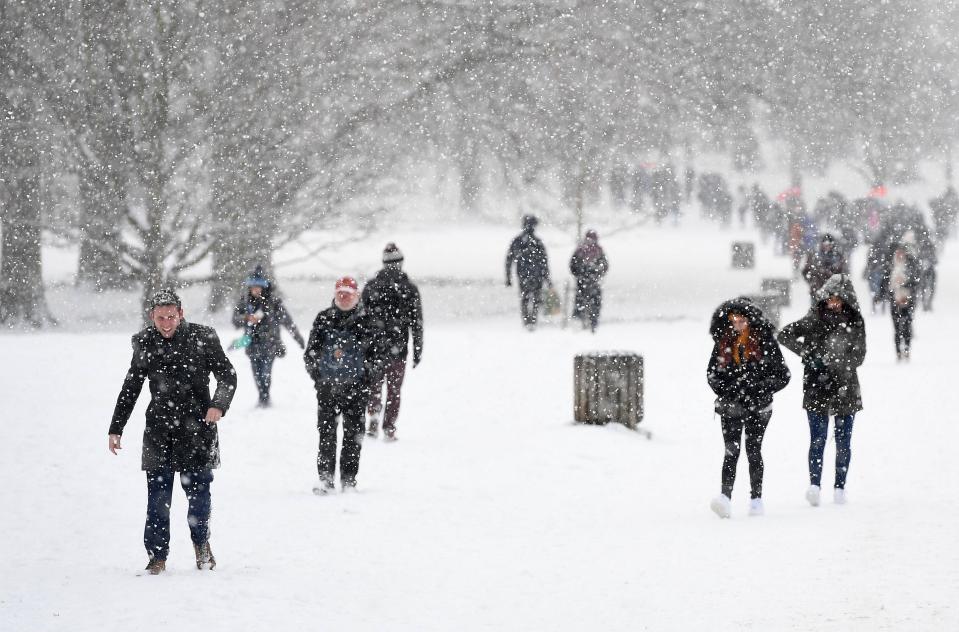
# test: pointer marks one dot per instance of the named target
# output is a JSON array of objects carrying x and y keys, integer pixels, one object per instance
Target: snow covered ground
[{"x": 493, "y": 511}]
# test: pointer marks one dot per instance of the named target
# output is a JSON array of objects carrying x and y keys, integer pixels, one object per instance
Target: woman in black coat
[
  {"x": 831, "y": 340},
  {"x": 745, "y": 369},
  {"x": 901, "y": 282}
]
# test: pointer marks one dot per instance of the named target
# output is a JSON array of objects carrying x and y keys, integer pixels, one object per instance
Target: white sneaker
[
  {"x": 812, "y": 495},
  {"x": 839, "y": 496},
  {"x": 721, "y": 506},
  {"x": 756, "y": 507}
]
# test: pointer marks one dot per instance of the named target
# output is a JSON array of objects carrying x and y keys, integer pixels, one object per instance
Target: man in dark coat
[
  {"x": 532, "y": 270},
  {"x": 393, "y": 302},
  {"x": 344, "y": 356},
  {"x": 831, "y": 340},
  {"x": 589, "y": 265},
  {"x": 180, "y": 435},
  {"x": 822, "y": 263},
  {"x": 261, "y": 313},
  {"x": 746, "y": 368}
]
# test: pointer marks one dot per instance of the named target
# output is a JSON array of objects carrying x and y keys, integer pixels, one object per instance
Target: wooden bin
[
  {"x": 608, "y": 387},
  {"x": 782, "y": 287},
  {"x": 744, "y": 254},
  {"x": 770, "y": 304}
]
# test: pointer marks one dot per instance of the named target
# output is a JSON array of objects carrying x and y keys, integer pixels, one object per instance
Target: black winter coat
[
  {"x": 356, "y": 322},
  {"x": 393, "y": 302},
  {"x": 588, "y": 270},
  {"x": 747, "y": 387},
  {"x": 265, "y": 335},
  {"x": 532, "y": 264},
  {"x": 175, "y": 435},
  {"x": 832, "y": 347},
  {"x": 913, "y": 277}
]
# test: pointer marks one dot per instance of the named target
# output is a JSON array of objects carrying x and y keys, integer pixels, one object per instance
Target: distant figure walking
[
  {"x": 343, "y": 357},
  {"x": 831, "y": 340},
  {"x": 745, "y": 369},
  {"x": 532, "y": 270},
  {"x": 261, "y": 313},
  {"x": 828, "y": 259},
  {"x": 393, "y": 302},
  {"x": 589, "y": 265},
  {"x": 901, "y": 280}
]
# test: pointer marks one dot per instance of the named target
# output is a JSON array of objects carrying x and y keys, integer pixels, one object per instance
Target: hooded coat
[
  {"x": 175, "y": 435},
  {"x": 746, "y": 387},
  {"x": 265, "y": 335},
  {"x": 532, "y": 265},
  {"x": 832, "y": 347}
]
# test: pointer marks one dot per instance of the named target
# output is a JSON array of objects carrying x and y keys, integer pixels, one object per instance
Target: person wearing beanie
[
  {"x": 528, "y": 253},
  {"x": 180, "y": 434},
  {"x": 344, "y": 355},
  {"x": 394, "y": 304},
  {"x": 261, "y": 313}
]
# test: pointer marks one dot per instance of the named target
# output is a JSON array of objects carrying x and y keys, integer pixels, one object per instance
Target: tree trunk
[{"x": 22, "y": 298}]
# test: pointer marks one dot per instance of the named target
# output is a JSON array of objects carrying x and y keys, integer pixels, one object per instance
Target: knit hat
[
  {"x": 392, "y": 254},
  {"x": 164, "y": 297},
  {"x": 255, "y": 280},
  {"x": 347, "y": 285}
]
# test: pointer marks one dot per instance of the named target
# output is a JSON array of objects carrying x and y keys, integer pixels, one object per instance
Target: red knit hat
[{"x": 348, "y": 285}]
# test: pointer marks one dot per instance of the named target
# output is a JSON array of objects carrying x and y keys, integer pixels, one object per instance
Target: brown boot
[
  {"x": 204, "y": 556},
  {"x": 156, "y": 566}
]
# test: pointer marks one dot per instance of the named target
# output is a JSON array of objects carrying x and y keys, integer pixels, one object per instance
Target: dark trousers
[
  {"x": 818, "y": 432},
  {"x": 351, "y": 404},
  {"x": 263, "y": 374},
  {"x": 589, "y": 302},
  {"x": 902, "y": 324},
  {"x": 393, "y": 377},
  {"x": 196, "y": 485},
  {"x": 754, "y": 425},
  {"x": 529, "y": 301}
]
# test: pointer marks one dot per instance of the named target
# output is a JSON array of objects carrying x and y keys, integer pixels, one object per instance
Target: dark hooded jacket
[
  {"x": 832, "y": 347},
  {"x": 393, "y": 302},
  {"x": 532, "y": 264},
  {"x": 265, "y": 335},
  {"x": 175, "y": 435},
  {"x": 821, "y": 265},
  {"x": 745, "y": 387}
]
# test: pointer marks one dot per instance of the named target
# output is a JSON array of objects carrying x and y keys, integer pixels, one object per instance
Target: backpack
[{"x": 341, "y": 358}]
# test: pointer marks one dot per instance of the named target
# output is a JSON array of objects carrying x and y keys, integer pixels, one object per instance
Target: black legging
[
  {"x": 755, "y": 426},
  {"x": 902, "y": 323}
]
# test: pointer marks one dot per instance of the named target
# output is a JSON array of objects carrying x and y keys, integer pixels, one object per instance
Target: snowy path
[{"x": 493, "y": 511}]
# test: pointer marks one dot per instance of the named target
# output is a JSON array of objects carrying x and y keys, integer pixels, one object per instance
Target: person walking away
[
  {"x": 821, "y": 264},
  {"x": 261, "y": 313},
  {"x": 589, "y": 265},
  {"x": 745, "y": 369},
  {"x": 343, "y": 357},
  {"x": 180, "y": 433},
  {"x": 831, "y": 340},
  {"x": 394, "y": 304},
  {"x": 900, "y": 285},
  {"x": 532, "y": 270}
]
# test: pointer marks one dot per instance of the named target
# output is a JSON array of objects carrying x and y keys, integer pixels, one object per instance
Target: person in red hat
[{"x": 344, "y": 356}]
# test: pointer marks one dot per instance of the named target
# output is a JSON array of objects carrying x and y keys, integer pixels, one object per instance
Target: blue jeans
[
  {"x": 263, "y": 375},
  {"x": 156, "y": 533},
  {"x": 818, "y": 432}
]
